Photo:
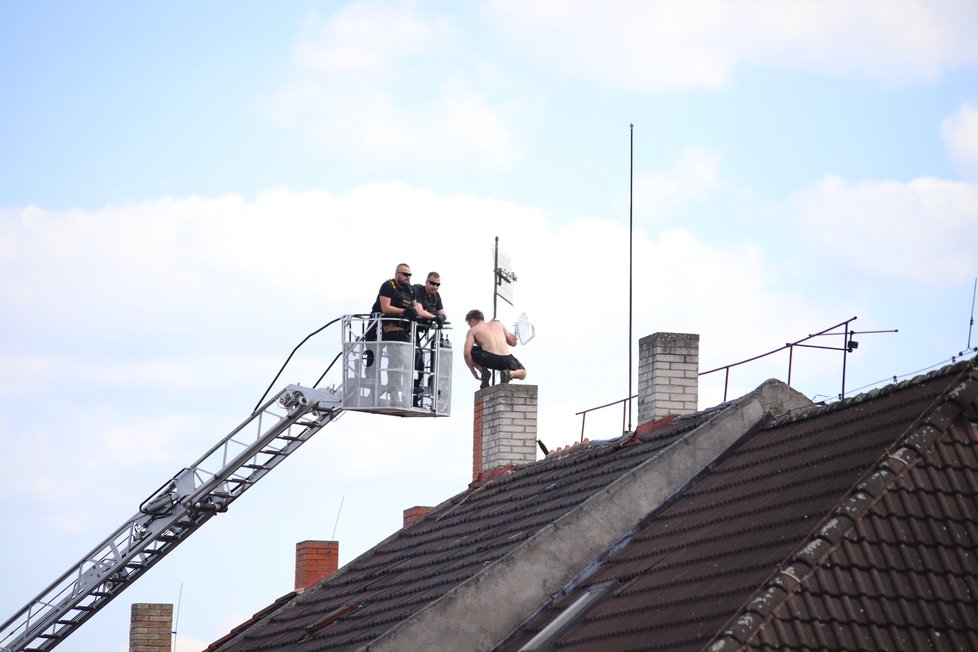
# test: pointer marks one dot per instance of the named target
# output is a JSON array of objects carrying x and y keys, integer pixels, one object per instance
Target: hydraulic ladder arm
[{"x": 172, "y": 514}]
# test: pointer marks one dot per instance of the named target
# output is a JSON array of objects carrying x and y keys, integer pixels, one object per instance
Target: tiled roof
[
  {"x": 846, "y": 526},
  {"x": 853, "y": 526},
  {"x": 449, "y": 545}
]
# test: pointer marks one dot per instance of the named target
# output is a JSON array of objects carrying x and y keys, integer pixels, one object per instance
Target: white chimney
[{"x": 668, "y": 375}]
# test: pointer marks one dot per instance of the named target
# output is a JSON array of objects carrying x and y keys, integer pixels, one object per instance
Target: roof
[
  {"x": 849, "y": 527},
  {"x": 725, "y": 528}
]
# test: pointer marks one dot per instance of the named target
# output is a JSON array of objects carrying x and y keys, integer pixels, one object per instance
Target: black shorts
[{"x": 488, "y": 360}]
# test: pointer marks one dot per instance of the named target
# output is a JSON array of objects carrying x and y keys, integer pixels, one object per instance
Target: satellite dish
[{"x": 524, "y": 330}]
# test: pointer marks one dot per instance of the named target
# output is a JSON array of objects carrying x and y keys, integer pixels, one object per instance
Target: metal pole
[
  {"x": 631, "y": 173},
  {"x": 495, "y": 276}
]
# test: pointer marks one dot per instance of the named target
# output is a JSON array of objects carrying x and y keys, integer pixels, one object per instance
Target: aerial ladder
[{"x": 409, "y": 379}]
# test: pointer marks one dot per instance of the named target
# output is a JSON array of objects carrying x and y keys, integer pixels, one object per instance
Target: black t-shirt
[
  {"x": 401, "y": 296},
  {"x": 430, "y": 303}
]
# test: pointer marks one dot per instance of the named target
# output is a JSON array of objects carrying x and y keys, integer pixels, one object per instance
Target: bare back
[{"x": 492, "y": 337}]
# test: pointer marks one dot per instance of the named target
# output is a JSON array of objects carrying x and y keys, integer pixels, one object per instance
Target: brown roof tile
[{"x": 828, "y": 496}]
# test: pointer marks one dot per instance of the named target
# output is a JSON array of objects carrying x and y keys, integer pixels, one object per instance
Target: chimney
[
  {"x": 151, "y": 627},
  {"x": 668, "y": 375},
  {"x": 504, "y": 427},
  {"x": 315, "y": 561},
  {"x": 412, "y": 514}
]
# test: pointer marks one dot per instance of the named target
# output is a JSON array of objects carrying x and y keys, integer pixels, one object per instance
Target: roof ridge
[
  {"x": 910, "y": 449},
  {"x": 817, "y": 409}
]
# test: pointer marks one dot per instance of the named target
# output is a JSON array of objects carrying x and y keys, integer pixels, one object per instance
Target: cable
[
  {"x": 288, "y": 359},
  {"x": 952, "y": 359}
]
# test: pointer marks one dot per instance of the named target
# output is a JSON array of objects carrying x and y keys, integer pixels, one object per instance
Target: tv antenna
[{"x": 503, "y": 277}]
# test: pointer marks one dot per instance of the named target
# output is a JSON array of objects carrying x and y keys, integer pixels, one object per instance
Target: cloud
[
  {"x": 695, "y": 176},
  {"x": 922, "y": 231},
  {"x": 702, "y": 43},
  {"x": 960, "y": 133},
  {"x": 366, "y": 39},
  {"x": 383, "y": 84}
]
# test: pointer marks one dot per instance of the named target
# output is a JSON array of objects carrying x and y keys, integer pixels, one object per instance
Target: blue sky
[{"x": 190, "y": 189}]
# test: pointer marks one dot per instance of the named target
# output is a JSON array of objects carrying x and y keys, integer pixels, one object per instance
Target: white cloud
[
  {"x": 701, "y": 43},
  {"x": 382, "y": 83},
  {"x": 921, "y": 231},
  {"x": 366, "y": 39},
  {"x": 960, "y": 132},
  {"x": 695, "y": 176}
]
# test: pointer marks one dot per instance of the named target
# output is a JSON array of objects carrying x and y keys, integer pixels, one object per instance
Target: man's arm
[
  {"x": 388, "y": 309},
  {"x": 510, "y": 338},
  {"x": 467, "y": 353},
  {"x": 421, "y": 311}
]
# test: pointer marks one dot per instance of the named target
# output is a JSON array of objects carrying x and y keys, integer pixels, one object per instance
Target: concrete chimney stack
[{"x": 668, "y": 375}]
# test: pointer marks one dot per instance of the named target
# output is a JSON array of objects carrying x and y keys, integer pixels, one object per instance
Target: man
[
  {"x": 432, "y": 311},
  {"x": 396, "y": 298},
  {"x": 487, "y": 347},
  {"x": 429, "y": 299}
]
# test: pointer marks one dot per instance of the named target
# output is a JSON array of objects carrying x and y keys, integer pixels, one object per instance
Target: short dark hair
[{"x": 476, "y": 315}]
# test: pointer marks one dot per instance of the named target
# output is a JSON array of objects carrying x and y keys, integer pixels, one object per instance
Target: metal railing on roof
[{"x": 848, "y": 346}]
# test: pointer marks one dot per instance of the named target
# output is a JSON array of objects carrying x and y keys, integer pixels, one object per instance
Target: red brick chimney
[
  {"x": 411, "y": 514},
  {"x": 150, "y": 627},
  {"x": 315, "y": 561}
]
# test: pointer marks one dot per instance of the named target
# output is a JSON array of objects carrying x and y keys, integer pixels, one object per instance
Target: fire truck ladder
[{"x": 172, "y": 514}]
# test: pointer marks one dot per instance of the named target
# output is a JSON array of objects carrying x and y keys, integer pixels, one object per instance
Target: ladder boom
[{"x": 171, "y": 514}]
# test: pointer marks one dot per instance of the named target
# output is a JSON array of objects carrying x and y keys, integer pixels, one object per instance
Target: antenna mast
[
  {"x": 971, "y": 324},
  {"x": 631, "y": 172}
]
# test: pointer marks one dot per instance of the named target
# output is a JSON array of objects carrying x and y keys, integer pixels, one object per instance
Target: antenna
[
  {"x": 503, "y": 278},
  {"x": 631, "y": 174},
  {"x": 971, "y": 324},
  {"x": 342, "y": 498},
  {"x": 176, "y": 619},
  {"x": 524, "y": 330}
]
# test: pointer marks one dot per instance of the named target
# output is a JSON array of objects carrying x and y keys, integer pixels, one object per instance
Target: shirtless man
[{"x": 487, "y": 347}]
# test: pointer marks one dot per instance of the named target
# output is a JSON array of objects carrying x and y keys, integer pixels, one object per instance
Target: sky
[{"x": 190, "y": 189}]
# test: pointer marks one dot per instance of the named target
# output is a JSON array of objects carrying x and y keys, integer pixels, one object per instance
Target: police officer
[{"x": 396, "y": 298}]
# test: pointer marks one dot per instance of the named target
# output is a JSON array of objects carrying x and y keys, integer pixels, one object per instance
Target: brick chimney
[
  {"x": 668, "y": 375},
  {"x": 411, "y": 514},
  {"x": 315, "y": 561},
  {"x": 504, "y": 427},
  {"x": 151, "y": 627}
]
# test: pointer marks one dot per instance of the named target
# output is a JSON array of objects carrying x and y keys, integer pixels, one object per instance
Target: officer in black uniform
[
  {"x": 431, "y": 312},
  {"x": 396, "y": 298}
]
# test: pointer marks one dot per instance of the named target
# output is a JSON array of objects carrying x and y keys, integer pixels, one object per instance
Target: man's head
[
  {"x": 433, "y": 283},
  {"x": 474, "y": 317},
  {"x": 402, "y": 274}
]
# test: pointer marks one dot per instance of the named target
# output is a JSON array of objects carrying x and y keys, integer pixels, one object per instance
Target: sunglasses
[
  {"x": 435, "y": 283},
  {"x": 408, "y": 274}
]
